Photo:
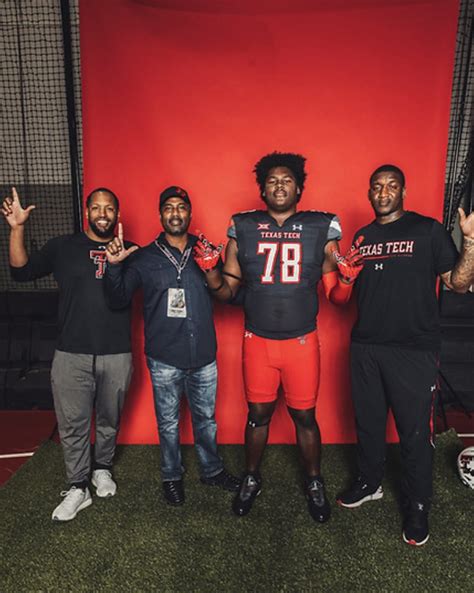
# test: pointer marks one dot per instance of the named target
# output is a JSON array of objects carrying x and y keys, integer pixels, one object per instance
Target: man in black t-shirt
[
  {"x": 396, "y": 340},
  {"x": 92, "y": 364}
]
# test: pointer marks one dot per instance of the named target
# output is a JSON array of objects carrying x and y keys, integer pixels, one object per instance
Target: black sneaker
[
  {"x": 318, "y": 504},
  {"x": 249, "y": 490},
  {"x": 415, "y": 526},
  {"x": 359, "y": 493},
  {"x": 223, "y": 480},
  {"x": 174, "y": 492}
]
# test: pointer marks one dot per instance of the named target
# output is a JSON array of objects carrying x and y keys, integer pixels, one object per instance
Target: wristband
[
  {"x": 218, "y": 288},
  {"x": 231, "y": 275}
]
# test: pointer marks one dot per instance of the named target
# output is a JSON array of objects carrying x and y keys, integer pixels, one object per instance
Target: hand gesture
[
  {"x": 206, "y": 255},
  {"x": 466, "y": 224},
  {"x": 14, "y": 213},
  {"x": 116, "y": 251},
  {"x": 351, "y": 264}
]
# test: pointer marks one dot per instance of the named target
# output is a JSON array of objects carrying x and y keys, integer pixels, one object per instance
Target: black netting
[
  {"x": 459, "y": 169},
  {"x": 35, "y": 148}
]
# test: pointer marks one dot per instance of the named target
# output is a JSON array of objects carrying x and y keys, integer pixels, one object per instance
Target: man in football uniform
[
  {"x": 396, "y": 340},
  {"x": 280, "y": 254},
  {"x": 92, "y": 365}
]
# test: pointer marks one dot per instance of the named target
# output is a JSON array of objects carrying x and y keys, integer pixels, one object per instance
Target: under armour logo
[
  {"x": 297, "y": 227},
  {"x": 263, "y": 226},
  {"x": 379, "y": 266},
  {"x": 248, "y": 334}
]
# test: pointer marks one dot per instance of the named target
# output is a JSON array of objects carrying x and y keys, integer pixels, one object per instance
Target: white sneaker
[
  {"x": 102, "y": 480},
  {"x": 75, "y": 499}
]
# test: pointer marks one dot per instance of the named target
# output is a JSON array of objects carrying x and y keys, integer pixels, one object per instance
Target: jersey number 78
[{"x": 290, "y": 262}]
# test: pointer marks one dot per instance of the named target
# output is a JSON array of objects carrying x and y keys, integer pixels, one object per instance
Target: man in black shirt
[
  {"x": 180, "y": 340},
  {"x": 280, "y": 254},
  {"x": 92, "y": 364},
  {"x": 396, "y": 340}
]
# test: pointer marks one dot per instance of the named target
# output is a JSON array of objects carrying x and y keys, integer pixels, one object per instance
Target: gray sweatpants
[{"x": 80, "y": 382}]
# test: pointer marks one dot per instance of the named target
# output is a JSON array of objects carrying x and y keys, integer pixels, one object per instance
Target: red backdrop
[{"x": 193, "y": 92}]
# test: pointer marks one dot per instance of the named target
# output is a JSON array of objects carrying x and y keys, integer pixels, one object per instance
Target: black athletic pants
[{"x": 404, "y": 380}]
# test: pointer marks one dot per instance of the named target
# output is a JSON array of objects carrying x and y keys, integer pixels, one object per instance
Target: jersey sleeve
[
  {"x": 334, "y": 230},
  {"x": 444, "y": 250},
  {"x": 40, "y": 263}
]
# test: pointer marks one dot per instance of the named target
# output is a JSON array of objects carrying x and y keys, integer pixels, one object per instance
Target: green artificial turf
[{"x": 135, "y": 542}]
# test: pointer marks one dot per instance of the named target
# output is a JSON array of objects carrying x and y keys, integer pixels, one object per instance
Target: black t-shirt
[
  {"x": 86, "y": 324},
  {"x": 281, "y": 267},
  {"x": 396, "y": 290}
]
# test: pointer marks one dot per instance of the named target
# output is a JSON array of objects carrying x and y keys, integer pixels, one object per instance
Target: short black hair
[
  {"x": 294, "y": 162},
  {"x": 105, "y": 190},
  {"x": 388, "y": 168}
]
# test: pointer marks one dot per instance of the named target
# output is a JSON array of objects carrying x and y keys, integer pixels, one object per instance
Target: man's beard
[
  {"x": 177, "y": 231},
  {"x": 103, "y": 233}
]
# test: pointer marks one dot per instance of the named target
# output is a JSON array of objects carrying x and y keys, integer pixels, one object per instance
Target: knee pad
[{"x": 255, "y": 421}]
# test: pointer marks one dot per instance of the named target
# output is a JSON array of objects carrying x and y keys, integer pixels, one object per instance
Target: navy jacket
[{"x": 183, "y": 342}]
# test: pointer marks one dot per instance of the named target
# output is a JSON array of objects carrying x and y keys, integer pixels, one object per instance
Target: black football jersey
[{"x": 281, "y": 267}]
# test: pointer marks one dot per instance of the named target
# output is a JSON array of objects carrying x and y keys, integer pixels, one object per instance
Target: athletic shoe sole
[
  {"x": 377, "y": 495},
  {"x": 84, "y": 505},
  {"x": 108, "y": 495},
  {"x": 412, "y": 542}
]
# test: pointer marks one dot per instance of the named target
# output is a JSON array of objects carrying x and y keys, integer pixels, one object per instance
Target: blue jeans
[{"x": 199, "y": 385}]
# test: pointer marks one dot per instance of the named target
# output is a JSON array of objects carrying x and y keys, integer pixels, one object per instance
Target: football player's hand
[
  {"x": 351, "y": 264},
  {"x": 116, "y": 251},
  {"x": 206, "y": 255},
  {"x": 14, "y": 212}
]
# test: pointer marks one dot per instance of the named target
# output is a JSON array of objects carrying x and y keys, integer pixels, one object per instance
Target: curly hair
[{"x": 294, "y": 162}]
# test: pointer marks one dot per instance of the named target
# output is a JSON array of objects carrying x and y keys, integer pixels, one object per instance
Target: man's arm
[
  {"x": 462, "y": 275},
  {"x": 223, "y": 284},
  {"x": 24, "y": 267},
  {"x": 16, "y": 216},
  {"x": 120, "y": 281},
  {"x": 340, "y": 272},
  {"x": 329, "y": 263}
]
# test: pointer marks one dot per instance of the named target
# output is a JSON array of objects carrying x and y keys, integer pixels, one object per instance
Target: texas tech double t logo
[{"x": 100, "y": 260}]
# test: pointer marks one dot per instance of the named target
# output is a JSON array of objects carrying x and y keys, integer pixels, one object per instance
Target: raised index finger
[
  {"x": 15, "y": 195},
  {"x": 120, "y": 232}
]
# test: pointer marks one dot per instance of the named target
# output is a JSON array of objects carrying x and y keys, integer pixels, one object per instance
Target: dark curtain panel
[{"x": 459, "y": 169}]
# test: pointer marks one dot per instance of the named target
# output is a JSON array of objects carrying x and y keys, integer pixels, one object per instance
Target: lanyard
[{"x": 184, "y": 258}]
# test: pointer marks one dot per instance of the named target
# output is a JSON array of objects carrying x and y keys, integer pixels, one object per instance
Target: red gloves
[
  {"x": 206, "y": 255},
  {"x": 351, "y": 264}
]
